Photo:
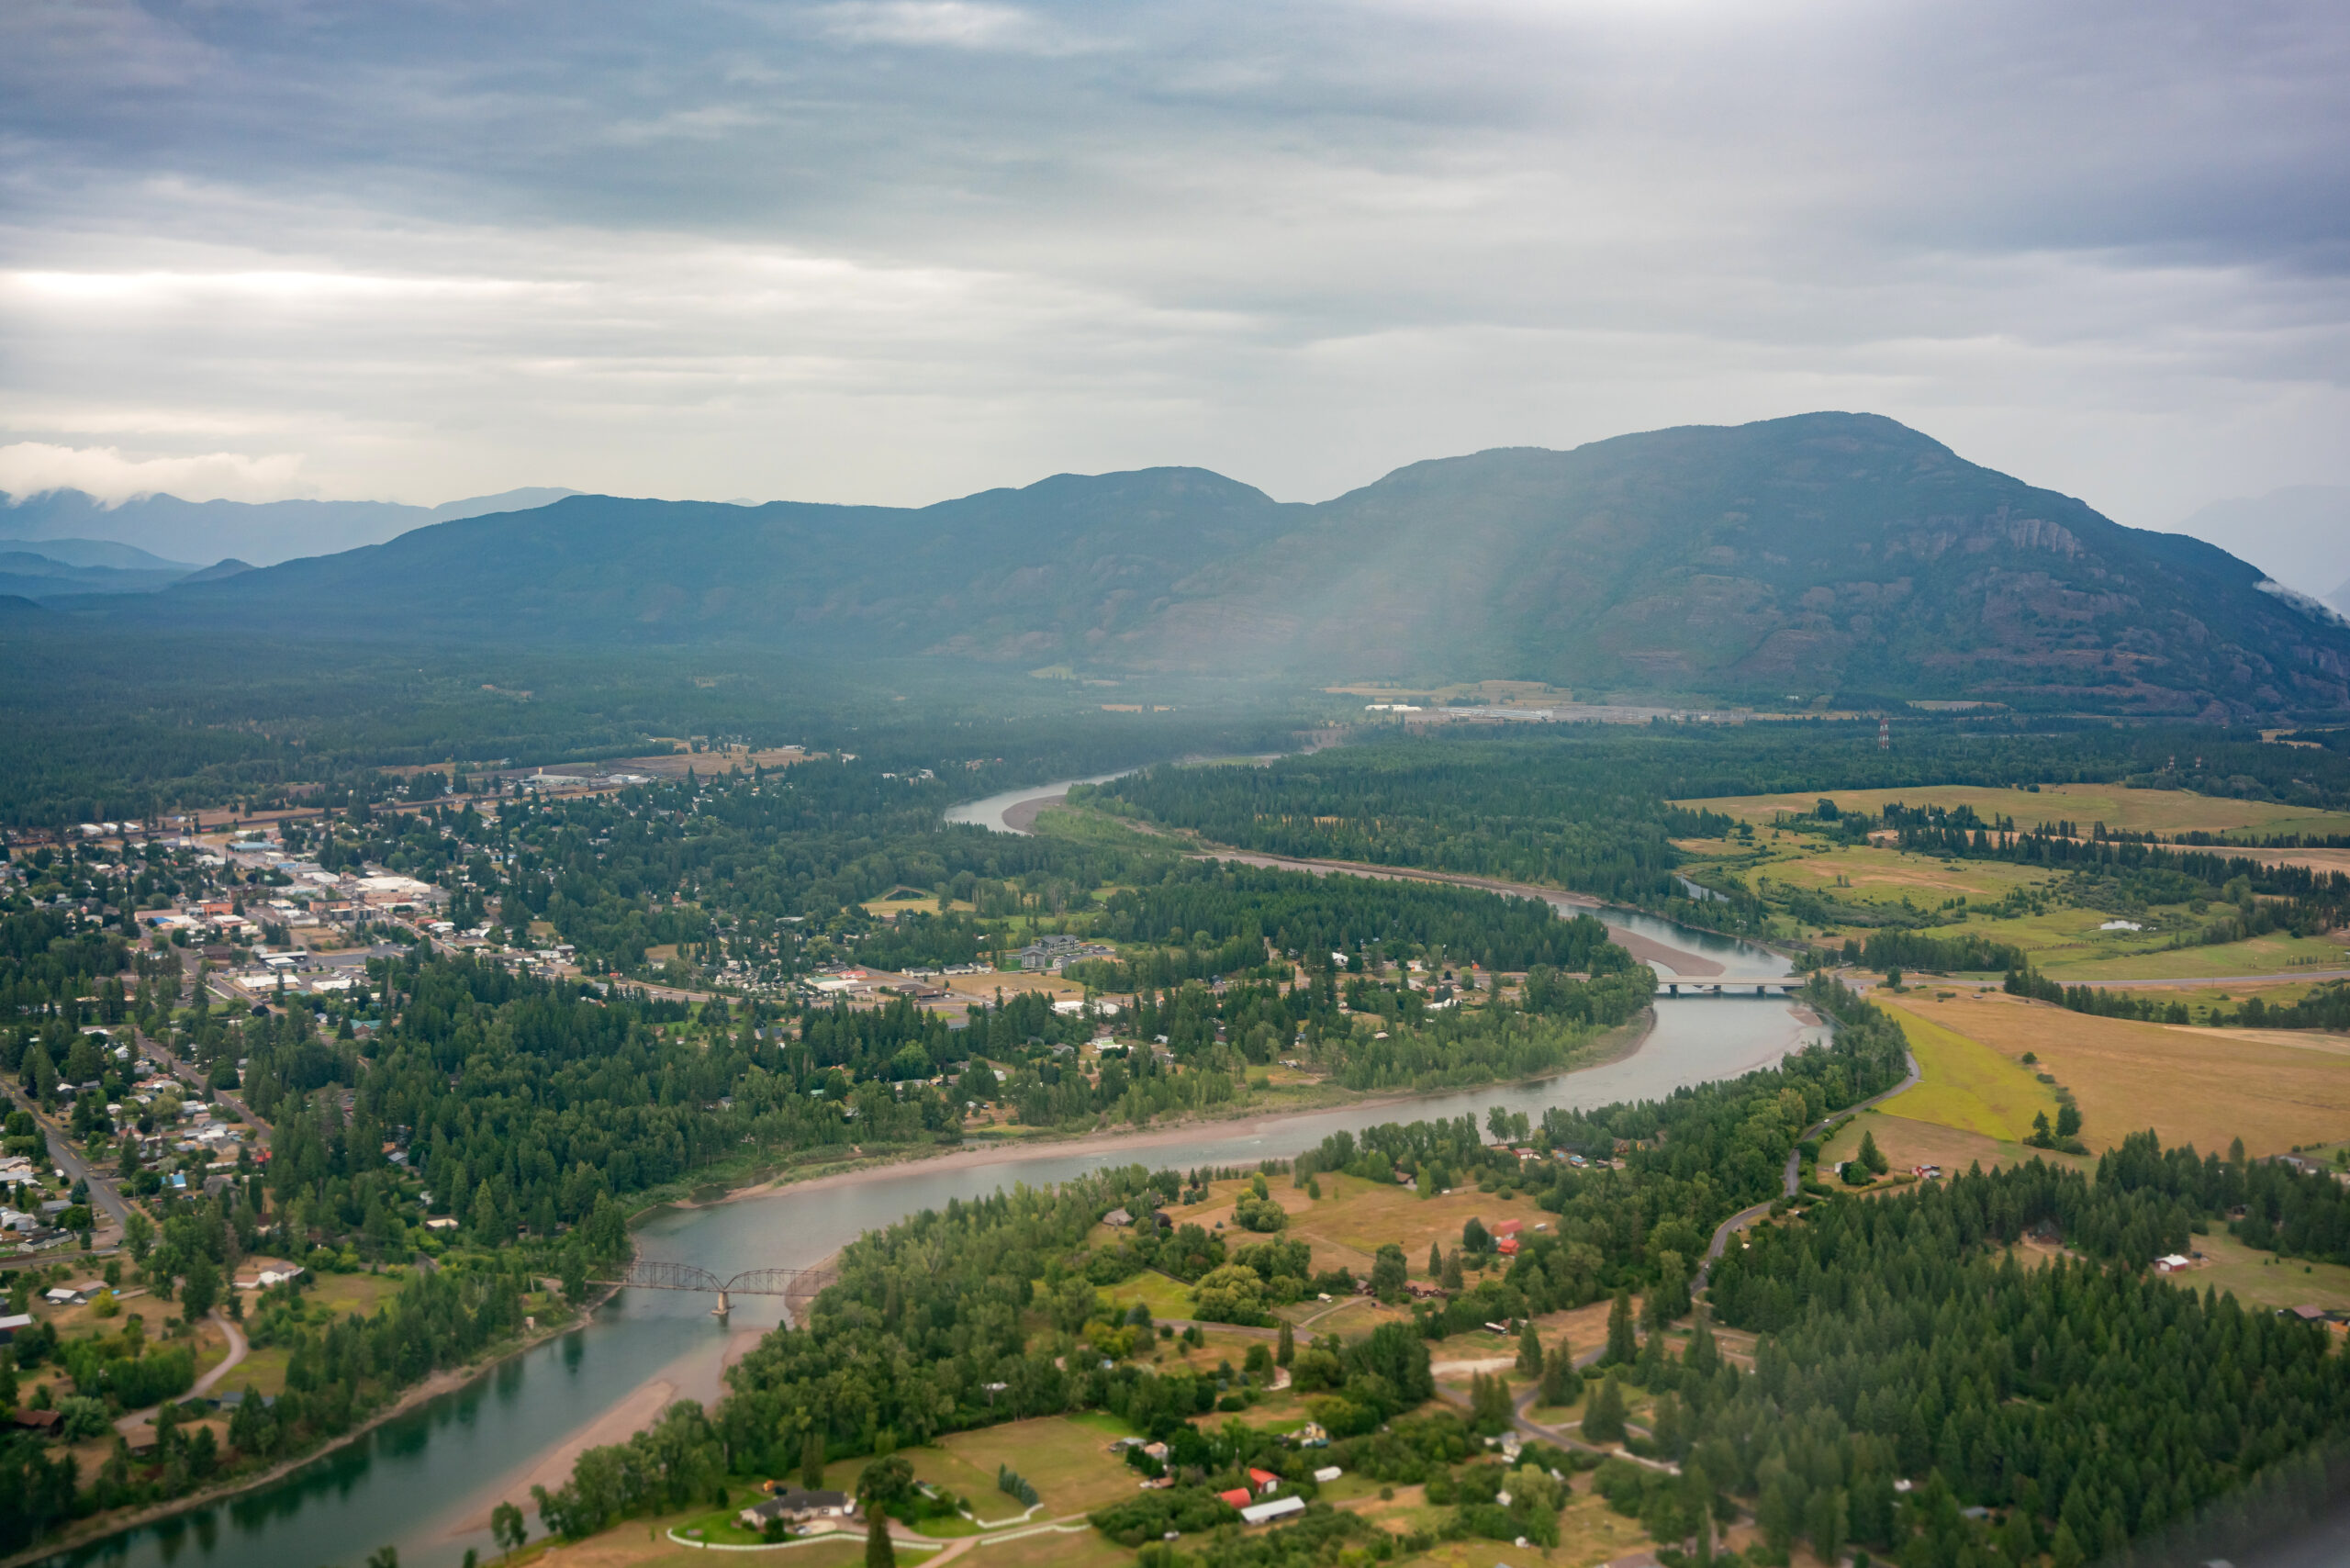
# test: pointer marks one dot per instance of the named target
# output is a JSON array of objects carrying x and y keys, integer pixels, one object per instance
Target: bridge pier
[{"x": 720, "y": 1310}]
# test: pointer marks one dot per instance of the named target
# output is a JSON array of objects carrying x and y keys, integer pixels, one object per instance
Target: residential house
[{"x": 796, "y": 1506}]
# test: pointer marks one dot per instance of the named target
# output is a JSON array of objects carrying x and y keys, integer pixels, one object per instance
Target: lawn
[
  {"x": 2141, "y": 811},
  {"x": 2198, "y": 1086},
  {"x": 1164, "y": 1294},
  {"x": 341, "y": 1294},
  {"x": 640, "y": 1543},
  {"x": 1966, "y": 1085}
]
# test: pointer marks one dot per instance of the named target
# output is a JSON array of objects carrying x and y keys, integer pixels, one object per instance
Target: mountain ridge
[
  {"x": 1788, "y": 558},
  {"x": 268, "y": 531}
]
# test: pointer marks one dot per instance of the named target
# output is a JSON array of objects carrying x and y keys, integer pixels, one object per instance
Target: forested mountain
[{"x": 1809, "y": 556}]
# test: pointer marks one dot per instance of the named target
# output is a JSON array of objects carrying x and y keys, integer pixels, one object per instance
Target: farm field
[
  {"x": 2196, "y": 1086},
  {"x": 1966, "y": 1085},
  {"x": 2136, "y": 810}
]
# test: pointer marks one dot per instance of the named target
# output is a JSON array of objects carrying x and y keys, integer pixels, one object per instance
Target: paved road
[
  {"x": 188, "y": 1073},
  {"x": 61, "y": 1157},
  {"x": 1793, "y": 1177}
]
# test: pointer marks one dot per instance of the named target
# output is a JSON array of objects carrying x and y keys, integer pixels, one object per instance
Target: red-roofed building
[
  {"x": 1238, "y": 1496},
  {"x": 1507, "y": 1246},
  {"x": 1507, "y": 1226},
  {"x": 1263, "y": 1480}
]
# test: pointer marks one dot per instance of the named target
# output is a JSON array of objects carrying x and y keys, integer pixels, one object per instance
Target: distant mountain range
[
  {"x": 1824, "y": 554},
  {"x": 51, "y": 568},
  {"x": 264, "y": 532},
  {"x": 2299, "y": 535}
]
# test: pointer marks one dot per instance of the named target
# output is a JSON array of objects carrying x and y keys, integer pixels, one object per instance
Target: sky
[{"x": 894, "y": 250}]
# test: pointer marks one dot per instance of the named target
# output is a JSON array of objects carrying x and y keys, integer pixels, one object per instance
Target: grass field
[
  {"x": 1589, "y": 1532},
  {"x": 2139, "y": 810},
  {"x": 2260, "y": 1279},
  {"x": 1966, "y": 1085},
  {"x": 1068, "y": 1462},
  {"x": 1165, "y": 1295},
  {"x": 1873, "y": 875},
  {"x": 2198, "y": 1086},
  {"x": 1066, "y": 1459},
  {"x": 1086, "y": 1548},
  {"x": 1355, "y": 1217},
  {"x": 1906, "y": 1142},
  {"x": 2274, "y": 955}
]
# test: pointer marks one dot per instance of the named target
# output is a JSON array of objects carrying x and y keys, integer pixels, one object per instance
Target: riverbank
[
  {"x": 447, "y": 1380},
  {"x": 1606, "y": 1049}
]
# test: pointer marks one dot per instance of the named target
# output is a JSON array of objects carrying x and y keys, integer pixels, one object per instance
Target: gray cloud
[{"x": 893, "y": 250}]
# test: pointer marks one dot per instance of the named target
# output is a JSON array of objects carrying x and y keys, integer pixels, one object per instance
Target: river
[{"x": 426, "y": 1481}]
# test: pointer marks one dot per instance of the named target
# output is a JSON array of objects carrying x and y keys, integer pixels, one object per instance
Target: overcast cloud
[{"x": 899, "y": 250}]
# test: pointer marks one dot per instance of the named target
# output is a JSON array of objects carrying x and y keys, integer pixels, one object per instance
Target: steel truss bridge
[{"x": 656, "y": 1276}]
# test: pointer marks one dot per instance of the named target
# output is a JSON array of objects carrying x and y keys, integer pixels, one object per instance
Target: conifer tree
[
  {"x": 1603, "y": 1420},
  {"x": 811, "y": 1459},
  {"x": 1622, "y": 1345},
  {"x": 1561, "y": 1383},
  {"x": 1529, "y": 1350},
  {"x": 1286, "y": 1350}
]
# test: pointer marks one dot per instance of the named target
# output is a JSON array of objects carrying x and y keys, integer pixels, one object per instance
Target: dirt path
[{"x": 211, "y": 1379}]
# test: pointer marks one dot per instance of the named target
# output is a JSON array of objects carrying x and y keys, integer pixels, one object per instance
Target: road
[
  {"x": 211, "y": 1379},
  {"x": 1793, "y": 1177},
  {"x": 129, "y": 1422},
  {"x": 61, "y": 1157},
  {"x": 189, "y": 1074}
]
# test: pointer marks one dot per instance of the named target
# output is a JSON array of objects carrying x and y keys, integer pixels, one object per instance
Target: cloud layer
[
  {"x": 895, "y": 250},
  {"x": 30, "y": 468}
]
